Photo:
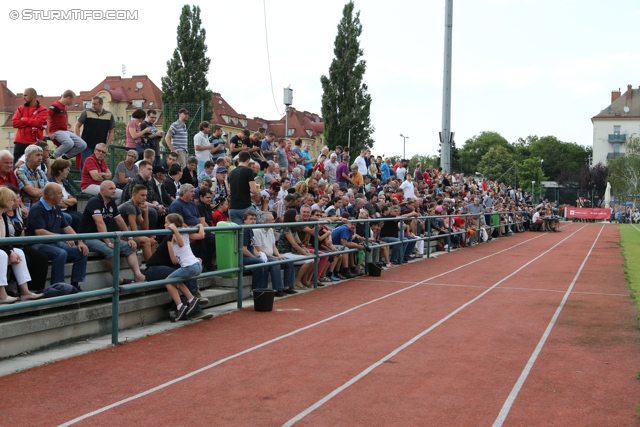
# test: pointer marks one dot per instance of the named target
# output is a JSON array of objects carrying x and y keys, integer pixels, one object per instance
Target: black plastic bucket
[{"x": 263, "y": 299}]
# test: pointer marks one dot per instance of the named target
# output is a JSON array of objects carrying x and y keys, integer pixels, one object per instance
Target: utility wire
[{"x": 266, "y": 37}]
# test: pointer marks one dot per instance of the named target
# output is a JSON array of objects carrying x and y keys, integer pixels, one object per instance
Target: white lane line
[
  {"x": 281, "y": 337},
  {"x": 504, "y": 412},
  {"x": 362, "y": 374}
]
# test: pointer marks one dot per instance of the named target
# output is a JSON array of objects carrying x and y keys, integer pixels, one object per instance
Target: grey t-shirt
[
  {"x": 121, "y": 168},
  {"x": 282, "y": 158},
  {"x": 126, "y": 209}
]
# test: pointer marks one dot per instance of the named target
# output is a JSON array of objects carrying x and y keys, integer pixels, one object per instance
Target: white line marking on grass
[
  {"x": 281, "y": 337},
  {"x": 504, "y": 412},
  {"x": 362, "y": 374}
]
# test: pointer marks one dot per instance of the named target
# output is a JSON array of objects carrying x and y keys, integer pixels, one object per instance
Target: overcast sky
[{"x": 538, "y": 67}]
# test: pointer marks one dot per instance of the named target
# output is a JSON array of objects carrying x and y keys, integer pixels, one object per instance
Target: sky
[{"x": 520, "y": 67}]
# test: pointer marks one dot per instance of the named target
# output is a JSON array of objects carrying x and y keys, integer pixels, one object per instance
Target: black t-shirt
[
  {"x": 96, "y": 206},
  {"x": 239, "y": 180},
  {"x": 161, "y": 255},
  {"x": 390, "y": 228},
  {"x": 237, "y": 142}
]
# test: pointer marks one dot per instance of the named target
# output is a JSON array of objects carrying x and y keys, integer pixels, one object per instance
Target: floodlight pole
[{"x": 446, "y": 136}]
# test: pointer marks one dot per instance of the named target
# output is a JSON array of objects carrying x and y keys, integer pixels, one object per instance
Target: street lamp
[
  {"x": 532, "y": 194},
  {"x": 404, "y": 141}
]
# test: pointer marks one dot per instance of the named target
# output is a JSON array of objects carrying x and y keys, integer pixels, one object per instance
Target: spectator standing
[
  {"x": 155, "y": 135},
  {"x": 242, "y": 186},
  {"x": 218, "y": 143},
  {"x": 202, "y": 145},
  {"x": 136, "y": 138},
  {"x": 98, "y": 127},
  {"x": 361, "y": 162},
  {"x": 342, "y": 172},
  {"x": 177, "y": 137},
  {"x": 268, "y": 151},
  {"x": 30, "y": 119},
  {"x": 281, "y": 154}
]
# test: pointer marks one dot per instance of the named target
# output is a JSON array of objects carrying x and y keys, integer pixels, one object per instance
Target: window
[
  {"x": 616, "y": 148},
  {"x": 309, "y": 132},
  {"x": 244, "y": 123},
  {"x": 616, "y": 130},
  {"x": 225, "y": 118},
  {"x": 235, "y": 120},
  {"x": 138, "y": 103},
  {"x": 11, "y": 135},
  {"x": 86, "y": 104},
  {"x": 290, "y": 131}
]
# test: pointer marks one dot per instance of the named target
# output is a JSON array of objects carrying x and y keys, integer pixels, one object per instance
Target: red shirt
[
  {"x": 217, "y": 217},
  {"x": 92, "y": 164},
  {"x": 57, "y": 118},
  {"x": 31, "y": 127},
  {"x": 10, "y": 179}
]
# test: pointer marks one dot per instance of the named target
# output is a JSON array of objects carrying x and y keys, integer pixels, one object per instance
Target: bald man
[{"x": 30, "y": 119}]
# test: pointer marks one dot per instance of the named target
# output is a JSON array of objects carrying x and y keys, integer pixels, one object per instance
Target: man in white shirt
[
  {"x": 407, "y": 186},
  {"x": 202, "y": 146},
  {"x": 361, "y": 163}
]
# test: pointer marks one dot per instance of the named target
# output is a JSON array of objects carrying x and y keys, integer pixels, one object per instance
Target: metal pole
[
  {"x": 240, "y": 265},
  {"x": 316, "y": 260},
  {"x": 445, "y": 152},
  {"x": 286, "y": 122},
  {"x": 115, "y": 300}
]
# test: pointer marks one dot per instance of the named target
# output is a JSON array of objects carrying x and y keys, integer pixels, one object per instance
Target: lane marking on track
[
  {"x": 389, "y": 356},
  {"x": 504, "y": 412},
  {"x": 292, "y": 333}
]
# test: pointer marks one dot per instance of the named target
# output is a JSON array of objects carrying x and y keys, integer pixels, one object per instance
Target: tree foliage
[
  {"x": 496, "y": 162},
  {"x": 425, "y": 160},
  {"x": 625, "y": 172},
  {"x": 476, "y": 147},
  {"x": 345, "y": 102},
  {"x": 186, "y": 79},
  {"x": 559, "y": 155}
]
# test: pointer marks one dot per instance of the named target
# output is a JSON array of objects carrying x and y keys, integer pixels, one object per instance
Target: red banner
[{"x": 588, "y": 213}]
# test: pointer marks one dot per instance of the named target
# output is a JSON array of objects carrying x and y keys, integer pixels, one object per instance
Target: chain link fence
[{"x": 196, "y": 116}]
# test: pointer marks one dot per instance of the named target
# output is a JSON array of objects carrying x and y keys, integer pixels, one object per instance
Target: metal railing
[{"x": 116, "y": 288}]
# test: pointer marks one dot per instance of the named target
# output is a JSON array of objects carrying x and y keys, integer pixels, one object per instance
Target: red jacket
[
  {"x": 31, "y": 129},
  {"x": 57, "y": 118}
]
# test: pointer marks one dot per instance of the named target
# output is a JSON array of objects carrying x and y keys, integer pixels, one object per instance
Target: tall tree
[
  {"x": 476, "y": 147},
  {"x": 186, "y": 79},
  {"x": 345, "y": 102}
]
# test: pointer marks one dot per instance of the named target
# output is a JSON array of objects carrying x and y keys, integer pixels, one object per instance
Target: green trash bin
[{"x": 227, "y": 248}]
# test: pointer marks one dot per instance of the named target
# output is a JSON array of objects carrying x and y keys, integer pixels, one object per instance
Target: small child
[
  {"x": 208, "y": 171},
  {"x": 190, "y": 266}
]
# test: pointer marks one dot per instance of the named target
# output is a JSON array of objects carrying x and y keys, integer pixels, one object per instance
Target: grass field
[{"x": 630, "y": 241}]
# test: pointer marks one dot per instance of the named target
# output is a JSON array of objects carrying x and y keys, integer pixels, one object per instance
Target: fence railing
[{"x": 118, "y": 237}]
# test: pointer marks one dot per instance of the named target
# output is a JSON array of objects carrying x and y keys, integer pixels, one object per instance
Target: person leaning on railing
[{"x": 265, "y": 241}]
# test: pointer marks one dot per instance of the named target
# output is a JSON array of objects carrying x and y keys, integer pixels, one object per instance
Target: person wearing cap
[
  {"x": 171, "y": 183},
  {"x": 177, "y": 137},
  {"x": 159, "y": 176},
  {"x": 222, "y": 185}
]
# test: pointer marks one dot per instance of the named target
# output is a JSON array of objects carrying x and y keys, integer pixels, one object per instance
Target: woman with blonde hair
[
  {"x": 302, "y": 188},
  {"x": 12, "y": 256}
]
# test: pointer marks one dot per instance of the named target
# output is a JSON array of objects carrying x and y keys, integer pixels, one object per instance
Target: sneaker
[
  {"x": 446, "y": 247},
  {"x": 334, "y": 278},
  {"x": 290, "y": 291},
  {"x": 192, "y": 305},
  {"x": 349, "y": 275},
  {"x": 280, "y": 293},
  {"x": 203, "y": 301},
  {"x": 340, "y": 276},
  {"x": 180, "y": 314},
  {"x": 325, "y": 279},
  {"x": 202, "y": 316}
]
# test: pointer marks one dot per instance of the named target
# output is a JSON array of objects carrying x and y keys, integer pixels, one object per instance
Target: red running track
[{"x": 535, "y": 329}]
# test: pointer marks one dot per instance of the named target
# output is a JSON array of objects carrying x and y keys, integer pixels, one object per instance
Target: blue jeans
[
  {"x": 192, "y": 270},
  {"x": 160, "y": 272},
  {"x": 236, "y": 215},
  {"x": 395, "y": 249},
  {"x": 58, "y": 253},
  {"x": 260, "y": 275},
  {"x": 276, "y": 275},
  {"x": 105, "y": 251},
  {"x": 86, "y": 153},
  {"x": 409, "y": 246}
]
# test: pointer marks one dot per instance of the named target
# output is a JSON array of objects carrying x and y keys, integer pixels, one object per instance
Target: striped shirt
[{"x": 179, "y": 136}]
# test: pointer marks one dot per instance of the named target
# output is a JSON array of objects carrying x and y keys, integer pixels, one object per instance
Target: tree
[
  {"x": 476, "y": 147},
  {"x": 186, "y": 79},
  {"x": 345, "y": 101},
  {"x": 496, "y": 163},
  {"x": 424, "y": 159},
  {"x": 559, "y": 155},
  {"x": 625, "y": 172}
]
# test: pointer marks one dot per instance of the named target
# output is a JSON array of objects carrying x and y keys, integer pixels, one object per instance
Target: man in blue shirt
[
  {"x": 342, "y": 238},
  {"x": 187, "y": 209},
  {"x": 45, "y": 218}
]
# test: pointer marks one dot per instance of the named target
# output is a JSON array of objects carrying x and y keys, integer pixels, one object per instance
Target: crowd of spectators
[{"x": 251, "y": 178}]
